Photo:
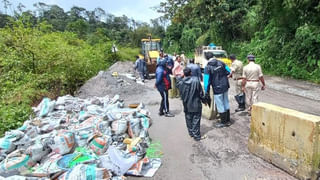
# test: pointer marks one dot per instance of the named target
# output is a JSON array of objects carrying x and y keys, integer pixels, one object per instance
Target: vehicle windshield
[
  {"x": 153, "y": 46},
  {"x": 220, "y": 54}
]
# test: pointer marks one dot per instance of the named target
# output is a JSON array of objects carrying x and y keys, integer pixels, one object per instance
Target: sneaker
[
  {"x": 161, "y": 113},
  {"x": 168, "y": 114}
]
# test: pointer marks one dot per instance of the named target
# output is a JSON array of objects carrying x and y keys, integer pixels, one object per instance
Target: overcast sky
[{"x": 136, "y": 9}]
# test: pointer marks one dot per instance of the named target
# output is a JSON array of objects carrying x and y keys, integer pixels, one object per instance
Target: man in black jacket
[
  {"x": 191, "y": 94},
  {"x": 216, "y": 75}
]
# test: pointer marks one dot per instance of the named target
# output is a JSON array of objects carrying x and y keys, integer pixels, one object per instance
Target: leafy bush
[{"x": 36, "y": 62}]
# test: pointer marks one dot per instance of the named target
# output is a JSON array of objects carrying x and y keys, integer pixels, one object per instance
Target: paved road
[{"x": 224, "y": 154}]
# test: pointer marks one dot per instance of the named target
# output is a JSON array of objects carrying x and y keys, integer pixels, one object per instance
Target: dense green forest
[
  {"x": 49, "y": 52},
  {"x": 284, "y": 35}
]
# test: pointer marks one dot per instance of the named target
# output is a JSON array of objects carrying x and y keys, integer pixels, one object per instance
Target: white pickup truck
[{"x": 217, "y": 51}]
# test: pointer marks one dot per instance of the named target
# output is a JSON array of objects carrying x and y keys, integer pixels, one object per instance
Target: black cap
[
  {"x": 251, "y": 57},
  {"x": 232, "y": 56}
]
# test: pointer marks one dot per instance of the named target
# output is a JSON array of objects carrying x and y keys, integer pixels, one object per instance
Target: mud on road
[{"x": 224, "y": 154}]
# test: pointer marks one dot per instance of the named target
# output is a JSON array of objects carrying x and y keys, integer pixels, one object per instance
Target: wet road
[{"x": 224, "y": 154}]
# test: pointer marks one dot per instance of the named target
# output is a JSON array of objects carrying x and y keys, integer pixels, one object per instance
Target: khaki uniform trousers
[
  {"x": 252, "y": 90},
  {"x": 237, "y": 84}
]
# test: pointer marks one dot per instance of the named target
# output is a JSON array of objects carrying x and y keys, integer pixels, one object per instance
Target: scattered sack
[
  {"x": 46, "y": 106},
  {"x": 6, "y": 145},
  {"x": 62, "y": 142},
  {"x": 99, "y": 144},
  {"x": 119, "y": 126},
  {"x": 84, "y": 172},
  {"x": 48, "y": 166},
  {"x": 134, "y": 127},
  {"x": 37, "y": 151},
  {"x": 17, "y": 160}
]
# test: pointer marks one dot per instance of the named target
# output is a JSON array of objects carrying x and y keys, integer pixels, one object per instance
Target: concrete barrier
[
  {"x": 286, "y": 138},
  {"x": 174, "y": 90}
]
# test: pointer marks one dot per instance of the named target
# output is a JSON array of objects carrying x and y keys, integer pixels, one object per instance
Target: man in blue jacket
[
  {"x": 216, "y": 75},
  {"x": 163, "y": 84}
]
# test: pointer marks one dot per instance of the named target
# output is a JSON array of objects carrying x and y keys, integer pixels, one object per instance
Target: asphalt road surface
[{"x": 224, "y": 154}]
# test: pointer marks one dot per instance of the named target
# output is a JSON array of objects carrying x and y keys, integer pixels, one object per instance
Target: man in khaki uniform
[
  {"x": 236, "y": 74},
  {"x": 252, "y": 76}
]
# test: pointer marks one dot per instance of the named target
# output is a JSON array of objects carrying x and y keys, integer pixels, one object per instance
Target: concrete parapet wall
[{"x": 286, "y": 138}]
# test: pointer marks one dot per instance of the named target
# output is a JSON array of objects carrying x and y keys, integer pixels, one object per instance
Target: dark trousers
[
  {"x": 193, "y": 124},
  {"x": 164, "y": 106}
]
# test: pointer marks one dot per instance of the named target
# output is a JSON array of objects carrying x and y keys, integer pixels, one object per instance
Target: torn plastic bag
[
  {"x": 62, "y": 142},
  {"x": 119, "y": 126},
  {"x": 117, "y": 161},
  {"x": 84, "y": 172},
  {"x": 17, "y": 160},
  {"x": 145, "y": 167},
  {"x": 99, "y": 144}
]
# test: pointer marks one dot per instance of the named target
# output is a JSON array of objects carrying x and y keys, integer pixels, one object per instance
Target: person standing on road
[
  {"x": 170, "y": 63},
  {"x": 160, "y": 57},
  {"x": 163, "y": 84},
  {"x": 177, "y": 68},
  {"x": 141, "y": 67},
  {"x": 195, "y": 69},
  {"x": 183, "y": 58},
  {"x": 252, "y": 76},
  {"x": 236, "y": 74},
  {"x": 191, "y": 95},
  {"x": 216, "y": 75}
]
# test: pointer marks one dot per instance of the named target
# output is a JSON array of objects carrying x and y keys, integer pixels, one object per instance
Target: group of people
[{"x": 216, "y": 76}]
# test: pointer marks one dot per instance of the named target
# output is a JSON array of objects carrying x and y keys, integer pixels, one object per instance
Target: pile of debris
[
  {"x": 74, "y": 138},
  {"x": 119, "y": 79}
]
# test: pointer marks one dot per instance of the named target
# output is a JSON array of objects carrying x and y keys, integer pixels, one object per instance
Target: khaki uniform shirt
[
  {"x": 236, "y": 68},
  {"x": 252, "y": 71}
]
